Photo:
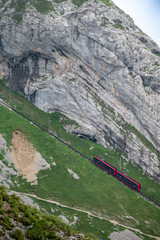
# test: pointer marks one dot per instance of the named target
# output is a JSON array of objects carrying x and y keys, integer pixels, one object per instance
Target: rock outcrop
[{"x": 93, "y": 64}]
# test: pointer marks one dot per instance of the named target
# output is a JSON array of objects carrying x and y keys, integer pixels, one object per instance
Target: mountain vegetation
[
  {"x": 19, "y": 221},
  {"x": 88, "y": 61},
  {"x": 83, "y": 71},
  {"x": 56, "y": 183}
]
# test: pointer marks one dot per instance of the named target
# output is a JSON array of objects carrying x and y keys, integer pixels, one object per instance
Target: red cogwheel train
[{"x": 118, "y": 174}]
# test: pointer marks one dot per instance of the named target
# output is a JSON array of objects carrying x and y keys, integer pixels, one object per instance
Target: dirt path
[{"x": 84, "y": 211}]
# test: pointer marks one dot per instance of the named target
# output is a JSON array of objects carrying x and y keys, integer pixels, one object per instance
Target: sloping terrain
[
  {"x": 91, "y": 189},
  {"x": 18, "y": 221},
  {"x": 27, "y": 161},
  {"x": 89, "y": 61},
  {"x": 95, "y": 74}
]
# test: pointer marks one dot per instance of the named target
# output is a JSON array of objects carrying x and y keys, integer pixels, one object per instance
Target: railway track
[
  {"x": 149, "y": 199},
  {"x": 76, "y": 151}
]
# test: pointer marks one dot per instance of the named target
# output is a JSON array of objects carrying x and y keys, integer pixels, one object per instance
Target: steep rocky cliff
[{"x": 90, "y": 62}]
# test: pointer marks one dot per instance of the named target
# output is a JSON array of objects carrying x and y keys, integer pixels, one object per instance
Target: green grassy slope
[
  {"x": 81, "y": 221},
  {"x": 88, "y": 148},
  {"x": 84, "y": 222},
  {"x": 94, "y": 190},
  {"x": 18, "y": 221}
]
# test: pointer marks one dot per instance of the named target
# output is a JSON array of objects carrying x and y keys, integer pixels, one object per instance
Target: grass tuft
[
  {"x": 119, "y": 26},
  {"x": 157, "y": 54},
  {"x": 107, "y": 2},
  {"x": 40, "y": 225}
]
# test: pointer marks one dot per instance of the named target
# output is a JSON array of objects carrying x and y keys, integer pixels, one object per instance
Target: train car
[
  {"x": 128, "y": 181},
  {"x": 104, "y": 165}
]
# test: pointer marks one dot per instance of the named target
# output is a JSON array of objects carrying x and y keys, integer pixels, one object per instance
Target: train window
[
  {"x": 123, "y": 178},
  {"x": 96, "y": 160},
  {"x": 127, "y": 181},
  {"x": 120, "y": 176},
  {"x": 103, "y": 165},
  {"x": 109, "y": 169},
  {"x": 134, "y": 185}
]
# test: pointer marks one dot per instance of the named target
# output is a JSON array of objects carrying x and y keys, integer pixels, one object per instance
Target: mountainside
[
  {"x": 90, "y": 62},
  {"x": 18, "y": 221},
  {"x": 68, "y": 185}
]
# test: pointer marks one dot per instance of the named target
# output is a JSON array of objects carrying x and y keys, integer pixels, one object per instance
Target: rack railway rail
[{"x": 76, "y": 151}]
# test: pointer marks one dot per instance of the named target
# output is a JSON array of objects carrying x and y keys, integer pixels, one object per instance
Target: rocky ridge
[{"x": 93, "y": 64}]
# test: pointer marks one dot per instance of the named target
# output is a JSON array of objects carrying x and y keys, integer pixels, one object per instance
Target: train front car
[
  {"x": 128, "y": 181},
  {"x": 104, "y": 165}
]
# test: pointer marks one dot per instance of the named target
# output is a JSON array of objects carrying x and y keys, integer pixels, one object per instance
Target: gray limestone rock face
[
  {"x": 93, "y": 64},
  {"x": 125, "y": 235}
]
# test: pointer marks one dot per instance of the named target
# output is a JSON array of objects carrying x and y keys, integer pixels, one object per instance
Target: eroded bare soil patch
[{"x": 26, "y": 159}]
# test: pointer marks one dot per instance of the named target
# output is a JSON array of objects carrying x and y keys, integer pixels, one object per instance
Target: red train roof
[
  {"x": 125, "y": 175},
  {"x": 105, "y": 162}
]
